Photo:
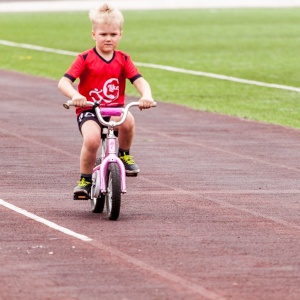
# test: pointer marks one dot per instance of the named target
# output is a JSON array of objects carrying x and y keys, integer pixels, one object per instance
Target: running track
[{"x": 214, "y": 213}]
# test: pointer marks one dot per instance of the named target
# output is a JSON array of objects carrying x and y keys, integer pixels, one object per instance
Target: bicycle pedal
[
  {"x": 80, "y": 197},
  {"x": 132, "y": 174}
]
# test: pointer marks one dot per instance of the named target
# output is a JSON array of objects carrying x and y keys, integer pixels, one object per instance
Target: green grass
[{"x": 254, "y": 44}]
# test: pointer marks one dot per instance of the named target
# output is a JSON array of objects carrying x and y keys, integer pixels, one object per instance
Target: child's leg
[
  {"x": 126, "y": 132},
  {"x": 125, "y": 138},
  {"x": 91, "y": 141}
]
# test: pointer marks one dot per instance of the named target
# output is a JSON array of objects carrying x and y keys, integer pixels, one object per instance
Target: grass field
[{"x": 253, "y": 44}]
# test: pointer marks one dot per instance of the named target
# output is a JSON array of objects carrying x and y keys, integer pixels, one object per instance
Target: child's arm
[
  {"x": 65, "y": 85},
  {"x": 144, "y": 89}
]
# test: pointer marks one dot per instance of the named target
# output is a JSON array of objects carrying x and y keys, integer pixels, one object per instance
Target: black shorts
[{"x": 89, "y": 115}]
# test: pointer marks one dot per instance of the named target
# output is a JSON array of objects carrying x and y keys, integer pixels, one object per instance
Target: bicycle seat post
[
  {"x": 104, "y": 134},
  {"x": 111, "y": 141}
]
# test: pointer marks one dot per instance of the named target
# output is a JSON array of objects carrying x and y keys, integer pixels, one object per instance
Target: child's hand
[
  {"x": 79, "y": 100},
  {"x": 146, "y": 103}
]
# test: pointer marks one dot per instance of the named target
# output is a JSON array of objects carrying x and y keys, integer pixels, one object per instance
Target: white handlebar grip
[{"x": 68, "y": 104}]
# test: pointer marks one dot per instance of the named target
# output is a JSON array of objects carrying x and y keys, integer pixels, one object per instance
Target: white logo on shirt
[{"x": 109, "y": 93}]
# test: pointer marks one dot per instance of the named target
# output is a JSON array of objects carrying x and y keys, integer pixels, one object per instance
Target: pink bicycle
[{"x": 109, "y": 176}]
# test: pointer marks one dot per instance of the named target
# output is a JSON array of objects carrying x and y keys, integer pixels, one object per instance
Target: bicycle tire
[
  {"x": 97, "y": 204},
  {"x": 113, "y": 195}
]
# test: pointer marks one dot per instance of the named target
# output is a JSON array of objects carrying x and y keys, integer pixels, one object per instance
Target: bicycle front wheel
[{"x": 113, "y": 194}]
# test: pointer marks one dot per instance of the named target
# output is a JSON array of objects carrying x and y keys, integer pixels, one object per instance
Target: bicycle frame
[{"x": 108, "y": 155}]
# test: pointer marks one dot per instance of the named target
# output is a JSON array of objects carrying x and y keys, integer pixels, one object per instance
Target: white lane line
[
  {"x": 160, "y": 67},
  {"x": 208, "y": 294},
  {"x": 45, "y": 222},
  {"x": 157, "y": 271},
  {"x": 224, "y": 203},
  {"x": 216, "y": 192},
  {"x": 34, "y": 141},
  {"x": 203, "y": 144}
]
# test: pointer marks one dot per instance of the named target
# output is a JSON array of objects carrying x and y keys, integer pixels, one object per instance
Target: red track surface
[{"x": 214, "y": 213}]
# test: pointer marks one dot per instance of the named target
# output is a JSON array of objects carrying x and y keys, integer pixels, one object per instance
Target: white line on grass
[
  {"x": 37, "y": 48},
  {"x": 45, "y": 222},
  {"x": 218, "y": 76},
  {"x": 161, "y": 67}
]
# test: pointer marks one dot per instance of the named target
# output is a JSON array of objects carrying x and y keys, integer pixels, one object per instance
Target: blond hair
[{"x": 106, "y": 14}]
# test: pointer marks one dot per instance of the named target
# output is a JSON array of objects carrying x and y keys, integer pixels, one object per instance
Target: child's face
[{"x": 107, "y": 37}]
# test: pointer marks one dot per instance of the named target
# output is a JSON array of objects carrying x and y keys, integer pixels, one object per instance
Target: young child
[{"x": 102, "y": 72}]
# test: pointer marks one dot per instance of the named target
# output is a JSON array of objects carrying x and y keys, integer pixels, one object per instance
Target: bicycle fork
[{"x": 100, "y": 172}]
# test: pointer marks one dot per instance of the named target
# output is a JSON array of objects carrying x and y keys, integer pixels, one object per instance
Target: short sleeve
[
  {"x": 76, "y": 68},
  {"x": 131, "y": 71}
]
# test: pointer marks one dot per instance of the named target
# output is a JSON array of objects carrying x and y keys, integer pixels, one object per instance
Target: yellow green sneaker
[
  {"x": 131, "y": 167},
  {"x": 82, "y": 190}
]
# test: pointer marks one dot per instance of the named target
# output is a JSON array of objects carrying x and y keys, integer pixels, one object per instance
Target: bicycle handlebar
[{"x": 111, "y": 111}]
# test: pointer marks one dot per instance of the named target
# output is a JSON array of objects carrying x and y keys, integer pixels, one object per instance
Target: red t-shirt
[{"x": 101, "y": 79}]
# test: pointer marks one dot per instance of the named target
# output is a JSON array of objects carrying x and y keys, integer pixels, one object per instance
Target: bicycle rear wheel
[
  {"x": 113, "y": 195},
  {"x": 97, "y": 204}
]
